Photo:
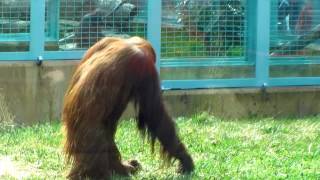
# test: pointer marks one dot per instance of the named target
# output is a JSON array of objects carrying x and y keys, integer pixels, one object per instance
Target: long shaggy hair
[{"x": 113, "y": 72}]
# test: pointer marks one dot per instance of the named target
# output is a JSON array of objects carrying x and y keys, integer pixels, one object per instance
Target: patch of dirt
[{"x": 16, "y": 170}]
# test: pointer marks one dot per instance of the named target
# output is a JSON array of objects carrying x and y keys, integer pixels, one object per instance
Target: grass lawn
[{"x": 242, "y": 149}]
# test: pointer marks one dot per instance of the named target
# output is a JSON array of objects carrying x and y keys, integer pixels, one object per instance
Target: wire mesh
[
  {"x": 295, "y": 29},
  {"x": 84, "y": 22},
  {"x": 14, "y": 17},
  {"x": 203, "y": 28},
  {"x": 14, "y": 25},
  {"x": 207, "y": 72},
  {"x": 295, "y": 70}
]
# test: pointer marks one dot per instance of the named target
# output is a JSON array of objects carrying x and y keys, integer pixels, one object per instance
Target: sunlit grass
[{"x": 238, "y": 149}]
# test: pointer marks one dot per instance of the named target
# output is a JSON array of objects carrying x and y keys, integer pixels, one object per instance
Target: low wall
[{"x": 35, "y": 93}]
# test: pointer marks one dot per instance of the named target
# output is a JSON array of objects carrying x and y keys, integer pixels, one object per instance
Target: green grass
[{"x": 237, "y": 149}]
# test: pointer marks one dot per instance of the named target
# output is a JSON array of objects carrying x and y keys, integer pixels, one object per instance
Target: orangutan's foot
[{"x": 132, "y": 166}]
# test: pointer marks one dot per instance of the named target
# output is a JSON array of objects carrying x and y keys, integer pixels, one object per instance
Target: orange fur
[{"x": 113, "y": 72}]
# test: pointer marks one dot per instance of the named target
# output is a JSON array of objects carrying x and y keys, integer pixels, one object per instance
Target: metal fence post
[
  {"x": 37, "y": 28},
  {"x": 154, "y": 27},
  {"x": 53, "y": 10},
  {"x": 262, "y": 41}
]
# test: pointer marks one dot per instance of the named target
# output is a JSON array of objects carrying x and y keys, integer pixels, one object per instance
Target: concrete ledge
[{"x": 35, "y": 93}]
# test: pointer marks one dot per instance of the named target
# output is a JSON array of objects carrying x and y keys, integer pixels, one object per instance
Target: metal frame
[
  {"x": 262, "y": 41},
  {"x": 53, "y": 19},
  {"x": 257, "y": 52}
]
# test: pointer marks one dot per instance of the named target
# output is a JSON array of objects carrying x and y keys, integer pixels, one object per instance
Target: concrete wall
[{"x": 35, "y": 93}]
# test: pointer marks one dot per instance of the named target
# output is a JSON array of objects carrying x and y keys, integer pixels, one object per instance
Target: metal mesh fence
[
  {"x": 14, "y": 17},
  {"x": 84, "y": 22},
  {"x": 295, "y": 70},
  {"x": 295, "y": 29},
  {"x": 14, "y": 25},
  {"x": 207, "y": 72},
  {"x": 203, "y": 28}
]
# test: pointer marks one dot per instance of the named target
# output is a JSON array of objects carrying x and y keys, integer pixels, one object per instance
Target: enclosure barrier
[{"x": 199, "y": 43}]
